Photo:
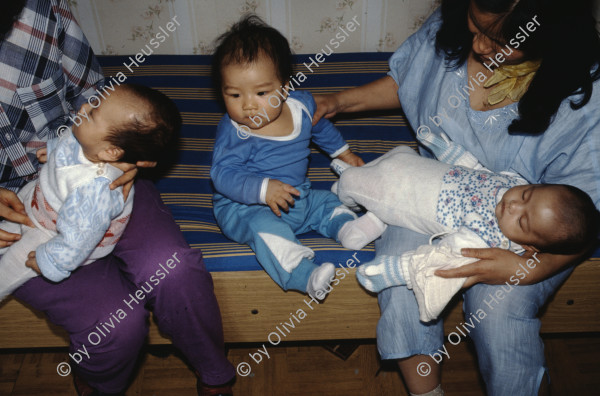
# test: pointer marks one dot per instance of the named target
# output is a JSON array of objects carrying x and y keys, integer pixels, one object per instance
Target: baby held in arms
[
  {"x": 260, "y": 162},
  {"x": 78, "y": 218},
  {"x": 463, "y": 208}
]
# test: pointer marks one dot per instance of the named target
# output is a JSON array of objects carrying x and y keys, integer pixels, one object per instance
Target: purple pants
[{"x": 104, "y": 306}]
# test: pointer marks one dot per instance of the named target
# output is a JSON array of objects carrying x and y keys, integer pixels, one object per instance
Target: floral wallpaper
[{"x": 123, "y": 27}]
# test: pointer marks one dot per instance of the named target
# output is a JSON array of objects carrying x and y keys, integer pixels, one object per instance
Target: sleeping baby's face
[{"x": 527, "y": 214}]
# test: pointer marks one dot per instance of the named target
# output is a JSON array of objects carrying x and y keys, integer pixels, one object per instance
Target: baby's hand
[
  {"x": 279, "y": 195},
  {"x": 350, "y": 158},
  {"x": 42, "y": 155},
  {"x": 32, "y": 263}
]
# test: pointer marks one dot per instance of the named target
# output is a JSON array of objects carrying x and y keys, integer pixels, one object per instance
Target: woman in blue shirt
[{"x": 516, "y": 84}]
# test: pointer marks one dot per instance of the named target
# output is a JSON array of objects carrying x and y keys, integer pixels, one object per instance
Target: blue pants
[
  {"x": 509, "y": 348},
  {"x": 273, "y": 239}
]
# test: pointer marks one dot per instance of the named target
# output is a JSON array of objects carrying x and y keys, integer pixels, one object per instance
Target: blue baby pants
[{"x": 273, "y": 239}]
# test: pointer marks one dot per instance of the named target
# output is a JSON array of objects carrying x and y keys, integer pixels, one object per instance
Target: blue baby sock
[{"x": 383, "y": 272}]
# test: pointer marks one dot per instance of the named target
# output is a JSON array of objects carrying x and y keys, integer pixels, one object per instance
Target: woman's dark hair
[
  {"x": 566, "y": 41},
  {"x": 9, "y": 13},
  {"x": 147, "y": 138},
  {"x": 245, "y": 42}
]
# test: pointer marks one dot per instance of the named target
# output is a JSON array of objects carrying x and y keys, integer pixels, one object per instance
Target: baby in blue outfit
[{"x": 260, "y": 161}]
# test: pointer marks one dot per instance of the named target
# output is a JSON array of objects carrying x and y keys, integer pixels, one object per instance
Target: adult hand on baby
[
  {"x": 350, "y": 158},
  {"x": 327, "y": 106},
  {"x": 32, "y": 263},
  {"x": 495, "y": 267},
  {"x": 279, "y": 195},
  {"x": 129, "y": 173},
  {"x": 11, "y": 208}
]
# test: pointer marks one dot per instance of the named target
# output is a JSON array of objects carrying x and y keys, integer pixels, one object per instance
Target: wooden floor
[{"x": 304, "y": 370}]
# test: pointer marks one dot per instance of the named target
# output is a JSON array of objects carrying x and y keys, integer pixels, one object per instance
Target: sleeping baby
[{"x": 463, "y": 208}]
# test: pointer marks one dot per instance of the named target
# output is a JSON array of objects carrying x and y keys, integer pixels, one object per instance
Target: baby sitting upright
[{"x": 260, "y": 161}]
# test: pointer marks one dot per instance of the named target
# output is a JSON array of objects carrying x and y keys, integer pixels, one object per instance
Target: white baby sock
[
  {"x": 356, "y": 234},
  {"x": 354, "y": 208},
  {"x": 320, "y": 279}
]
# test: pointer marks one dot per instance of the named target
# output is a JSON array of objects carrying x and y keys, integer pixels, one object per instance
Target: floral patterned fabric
[
  {"x": 122, "y": 27},
  {"x": 469, "y": 198}
]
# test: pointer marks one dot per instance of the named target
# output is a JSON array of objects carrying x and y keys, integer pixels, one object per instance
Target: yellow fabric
[{"x": 511, "y": 81}]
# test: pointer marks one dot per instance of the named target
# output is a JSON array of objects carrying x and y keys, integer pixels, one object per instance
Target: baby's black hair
[
  {"x": 578, "y": 223},
  {"x": 245, "y": 42},
  {"x": 147, "y": 138}
]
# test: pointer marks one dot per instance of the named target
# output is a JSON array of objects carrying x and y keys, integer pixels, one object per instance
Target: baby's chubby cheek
[
  {"x": 261, "y": 118},
  {"x": 506, "y": 230}
]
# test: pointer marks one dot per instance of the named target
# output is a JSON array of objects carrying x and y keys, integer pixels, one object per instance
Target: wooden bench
[{"x": 252, "y": 306}]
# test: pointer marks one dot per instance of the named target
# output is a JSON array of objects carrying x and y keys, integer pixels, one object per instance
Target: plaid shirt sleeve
[{"x": 47, "y": 71}]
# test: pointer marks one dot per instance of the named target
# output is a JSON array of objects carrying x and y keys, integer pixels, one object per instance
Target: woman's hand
[
  {"x": 497, "y": 266},
  {"x": 129, "y": 173},
  {"x": 350, "y": 158},
  {"x": 381, "y": 94},
  {"x": 12, "y": 209},
  {"x": 327, "y": 106}
]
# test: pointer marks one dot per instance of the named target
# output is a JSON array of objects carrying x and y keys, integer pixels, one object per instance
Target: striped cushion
[{"x": 186, "y": 187}]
